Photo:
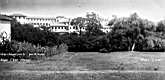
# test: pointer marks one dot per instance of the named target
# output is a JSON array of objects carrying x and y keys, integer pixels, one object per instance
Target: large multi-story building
[{"x": 56, "y": 24}]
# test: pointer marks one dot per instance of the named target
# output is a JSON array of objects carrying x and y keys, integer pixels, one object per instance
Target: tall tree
[
  {"x": 93, "y": 27},
  {"x": 78, "y": 23},
  {"x": 132, "y": 29},
  {"x": 161, "y": 26}
]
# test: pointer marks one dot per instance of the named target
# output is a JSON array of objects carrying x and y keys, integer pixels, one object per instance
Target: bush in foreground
[{"x": 25, "y": 50}]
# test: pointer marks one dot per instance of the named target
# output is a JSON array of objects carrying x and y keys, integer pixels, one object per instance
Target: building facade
[
  {"x": 5, "y": 28},
  {"x": 56, "y": 24}
]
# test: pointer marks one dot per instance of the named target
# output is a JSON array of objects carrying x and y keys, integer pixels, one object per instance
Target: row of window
[
  {"x": 77, "y": 28},
  {"x": 59, "y": 27},
  {"x": 44, "y": 24},
  {"x": 39, "y": 19},
  {"x": 19, "y": 17}
]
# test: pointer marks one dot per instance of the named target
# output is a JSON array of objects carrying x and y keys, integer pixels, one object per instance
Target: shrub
[
  {"x": 50, "y": 51},
  {"x": 62, "y": 48},
  {"x": 103, "y": 50},
  {"x": 30, "y": 51},
  {"x": 154, "y": 44}
]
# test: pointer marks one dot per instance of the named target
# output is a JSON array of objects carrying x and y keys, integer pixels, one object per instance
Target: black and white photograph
[{"x": 82, "y": 39}]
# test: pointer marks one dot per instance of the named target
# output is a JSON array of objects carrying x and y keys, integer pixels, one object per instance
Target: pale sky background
[{"x": 153, "y": 10}]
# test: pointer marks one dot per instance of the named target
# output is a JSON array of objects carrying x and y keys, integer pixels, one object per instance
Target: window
[{"x": 46, "y": 24}]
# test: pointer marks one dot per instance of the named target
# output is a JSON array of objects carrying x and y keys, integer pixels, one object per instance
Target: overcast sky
[{"x": 151, "y": 9}]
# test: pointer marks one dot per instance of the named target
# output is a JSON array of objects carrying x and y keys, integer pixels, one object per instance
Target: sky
[{"x": 153, "y": 10}]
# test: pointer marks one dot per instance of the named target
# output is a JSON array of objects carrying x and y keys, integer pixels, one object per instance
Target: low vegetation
[{"x": 25, "y": 50}]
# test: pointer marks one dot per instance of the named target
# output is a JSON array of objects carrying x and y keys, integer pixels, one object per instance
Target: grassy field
[
  {"x": 81, "y": 76},
  {"x": 89, "y": 61}
]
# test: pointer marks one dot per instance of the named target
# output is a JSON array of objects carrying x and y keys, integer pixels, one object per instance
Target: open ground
[{"x": 89, "y": 66}]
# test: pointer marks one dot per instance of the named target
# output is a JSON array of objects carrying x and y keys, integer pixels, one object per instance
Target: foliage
[
  {"x": 6, "y": 47},
  {"x": 33, "y": 35},
  {"x": 154, "y": 44},
  {"x": 128, "y": 34},
  {"x": 25, "y": 47},
  {"x": 31, "y": 51},
  {"x": 79, "y": 23},
  {"x": 91, "y": 25},
  {"x": 161, "y": 26}
]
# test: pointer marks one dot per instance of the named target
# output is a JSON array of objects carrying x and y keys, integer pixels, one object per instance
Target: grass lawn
[
  {"x": 90, "y": 61},
  {"x": 84, "y": 76}
]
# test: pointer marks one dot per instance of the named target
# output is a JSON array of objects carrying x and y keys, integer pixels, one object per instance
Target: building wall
[
  {"x": 21, "y": 19},
  {"x": 5, "y": 27},
  {"x": 59, "y": 28},
  {"x": 41, "y": 21},
  {"x": 57, "y": 23}
]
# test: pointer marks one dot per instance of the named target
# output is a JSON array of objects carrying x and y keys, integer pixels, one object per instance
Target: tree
[
  {"x": 79, "y": 23},
  {"x": 34, "y": 35},
  {"x": 93, "y": 27},
  {"x": 131, "y": 30},
  {"x": 90, "y": 22},
  {"x": 161, "y": 27}
]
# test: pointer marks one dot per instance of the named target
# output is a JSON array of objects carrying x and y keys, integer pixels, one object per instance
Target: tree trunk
[
  {"x": 133, "y": 47},
  {"x": 80, "y": 31}
]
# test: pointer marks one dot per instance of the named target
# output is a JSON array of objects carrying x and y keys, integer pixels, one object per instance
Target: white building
[
  {"x": 57, "y": 24},
  {"x": 5, "y": 28},
  {"x": 36, "y": 21},
  {"x": 20, "y": 18},
  {"x": 39, "y": 21},
  {"x": 60, "y": 28}
]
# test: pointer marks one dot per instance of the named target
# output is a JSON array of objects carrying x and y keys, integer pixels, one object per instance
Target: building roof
[
  {"x": 21, "y": 15},
  {"x": 41, "y": 18},
  {"x": 3, "y": 17}
]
